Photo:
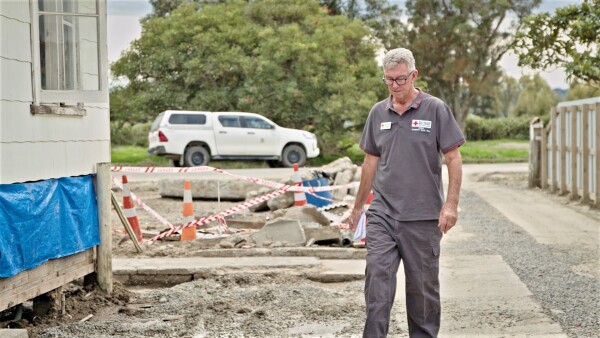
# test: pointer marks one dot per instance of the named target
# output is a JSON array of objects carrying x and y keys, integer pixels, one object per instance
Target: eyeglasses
[{"x": 399, "y": 80}]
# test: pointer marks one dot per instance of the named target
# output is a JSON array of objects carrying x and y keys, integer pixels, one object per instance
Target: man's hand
[
  {"x": 448, "y": 217},
  {"x": 354, "y": 218}
]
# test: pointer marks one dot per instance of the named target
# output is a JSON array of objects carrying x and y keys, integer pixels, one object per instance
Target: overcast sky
[{"x": 124, "y": 27}]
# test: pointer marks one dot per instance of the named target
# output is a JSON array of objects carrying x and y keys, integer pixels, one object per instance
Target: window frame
[
  {"x": 73, "y": 98},
  {"x": 263, "y": 121}
]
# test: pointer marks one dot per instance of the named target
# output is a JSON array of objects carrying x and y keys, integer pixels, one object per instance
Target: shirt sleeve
[
  {"x": 367, "y": 140},
  {"x": 449, "y": 135}
]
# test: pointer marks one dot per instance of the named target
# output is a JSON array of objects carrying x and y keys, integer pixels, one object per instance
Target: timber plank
[
  {"x": 44, "y": 278},
  {"x": 35, "y": 289}
]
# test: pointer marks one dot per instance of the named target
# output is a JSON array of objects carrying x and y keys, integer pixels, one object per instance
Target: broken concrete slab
[
  {"x": 355, "y": 178},
  {"x": 323, "y": 233},
  {"x": 281, "y": 229},
  {"x": 343, "y": 177},
  {"x": 305, "y": 214},
  {"x": 249, "y": 223},
  {"x": 235, "y": 241},
  {"x": 14, "y": 333},
  {"x": 339, "y": 165},
  {"x": 281, "y": 202},
  {"x": 209, "y": 188},
  {"x": 255, "y": 193}
]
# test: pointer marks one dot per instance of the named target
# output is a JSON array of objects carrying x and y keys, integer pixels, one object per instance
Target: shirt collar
[{"x": 415, "y": 104}]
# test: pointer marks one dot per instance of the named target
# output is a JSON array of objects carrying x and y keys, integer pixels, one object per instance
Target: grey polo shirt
[{"x": 408, "y": 181}]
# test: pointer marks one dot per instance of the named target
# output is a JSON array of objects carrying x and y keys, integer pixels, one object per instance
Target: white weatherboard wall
[{"x": 37, "y": 147}]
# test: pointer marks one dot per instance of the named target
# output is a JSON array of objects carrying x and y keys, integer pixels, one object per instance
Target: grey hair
[{"x": 399, "y": 56}]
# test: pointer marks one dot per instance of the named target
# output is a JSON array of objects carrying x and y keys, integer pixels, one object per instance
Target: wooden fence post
[
  {"x": 574, "y": 193},
  {"x": 585, "y": 153},
  {"x": 536, "y": 127},
  {"x": 563, "y": 151},
  {"x": 544, "y": 158},
  {"x": 554, "y": 145},
  {"x": 597, "y": 152},
  {"x": 104, "y": 259}
]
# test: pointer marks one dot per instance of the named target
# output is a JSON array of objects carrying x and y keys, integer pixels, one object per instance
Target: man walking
[{"x": 404, "y": 138}]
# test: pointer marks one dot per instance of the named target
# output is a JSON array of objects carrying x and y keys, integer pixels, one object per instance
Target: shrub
[
  {"x": 127, "y": 134},
  {"x": 479, "y": 128}
]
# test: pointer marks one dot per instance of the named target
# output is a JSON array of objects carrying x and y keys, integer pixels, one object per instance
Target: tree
[
  {"x": 568, "y": 39},
  {"x": 536, "y": 97},
  {"x": 164, "y": 8},
  {"x": 579, "y": 90},
  {"x": 288, "y": 60},
  {"x": 379, "y": 15},
  {"x": 458, "y": 44},
  {"x": 505, "y": 95}
]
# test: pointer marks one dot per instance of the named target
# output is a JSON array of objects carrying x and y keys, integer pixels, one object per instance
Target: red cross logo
[{"x": 416, "y": 123}]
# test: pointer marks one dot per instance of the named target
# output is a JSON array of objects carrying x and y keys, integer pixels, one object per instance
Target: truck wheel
[
  {"x": 293, "y": 154},
  {"x": 196, "y": 156}
]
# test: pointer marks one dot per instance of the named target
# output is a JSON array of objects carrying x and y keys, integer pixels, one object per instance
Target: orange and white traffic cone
[
  {"x": 299, "y": 196},
  {"x": 189, "y": 233},
  {"x": 129, "y": 210}
]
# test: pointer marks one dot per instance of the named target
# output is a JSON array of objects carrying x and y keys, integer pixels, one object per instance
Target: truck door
[
  {"x": 230, "y": 137},
  {"x": 261, "y": 136}
]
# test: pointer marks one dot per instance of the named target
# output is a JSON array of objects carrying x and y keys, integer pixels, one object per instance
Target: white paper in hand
[{"x": 361, "y": 228}]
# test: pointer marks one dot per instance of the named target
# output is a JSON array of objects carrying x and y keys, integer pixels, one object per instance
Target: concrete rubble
[
  {"x": 341, "y": 171},
  {"x": 284, "y": 225}
]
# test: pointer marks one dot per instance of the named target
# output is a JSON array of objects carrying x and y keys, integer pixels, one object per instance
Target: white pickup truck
[{"x": 192, "y": 138}]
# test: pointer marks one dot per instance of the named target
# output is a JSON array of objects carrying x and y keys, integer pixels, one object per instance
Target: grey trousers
[{"x": 417, "y": 244}]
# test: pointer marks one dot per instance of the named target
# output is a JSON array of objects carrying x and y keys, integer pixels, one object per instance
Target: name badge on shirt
[
  {"x": 386, "y": 125},
  {"x": 421, "y": 125}
]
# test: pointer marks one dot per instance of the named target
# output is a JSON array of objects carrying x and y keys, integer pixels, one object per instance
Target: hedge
[{"x": 479, "y": 128}]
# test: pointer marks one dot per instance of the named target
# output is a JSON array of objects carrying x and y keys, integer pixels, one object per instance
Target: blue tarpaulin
[{"x": 43, "y": 220}]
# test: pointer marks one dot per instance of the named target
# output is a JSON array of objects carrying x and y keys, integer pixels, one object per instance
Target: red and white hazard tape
[
  {"x": 267, "y": 183},
  {"x": 223, "y": 214},
  {"x": 142, "y": 205},
  {"x": 162, "y": 170}
]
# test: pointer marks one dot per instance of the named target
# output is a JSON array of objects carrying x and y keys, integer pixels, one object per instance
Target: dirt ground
[{"x": 242, "y": 304}]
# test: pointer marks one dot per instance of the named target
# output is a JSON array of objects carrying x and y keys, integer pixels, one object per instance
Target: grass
[
  {"x": 489, "y": 151},
  {"x": 130, "y": 155},
  {"x": 495, "y": 151}
]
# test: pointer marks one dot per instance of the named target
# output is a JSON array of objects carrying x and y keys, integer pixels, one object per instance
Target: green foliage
[
  {"x": 535, "y": 98},
  {"x": 458, "y": 44},
  {"x": 505, "y": 95},
  {"x": 129, "y": 134},
  {"x": 568, "y": 39},
  {"x": 287, "y": 60},
  {"x": 488, "y": 151},
  {"x": 490, "y": 129},
  {"x": 379, "y": 15},
  {"x": 578, "y": 91}
]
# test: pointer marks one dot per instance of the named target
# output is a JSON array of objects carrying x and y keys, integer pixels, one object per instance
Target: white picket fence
[{"x": 570, "y": 150}]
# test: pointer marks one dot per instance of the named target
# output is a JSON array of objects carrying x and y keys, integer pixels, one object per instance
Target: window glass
[
  {"x": 256, "y": 122},
  {"x": 68, "y": 6},
  {"x": 156, "y": 122},
  {"x": 187, "y": 119},
  {"x": 230, "y": 121},
  {"x": 69, "y": 48}
]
